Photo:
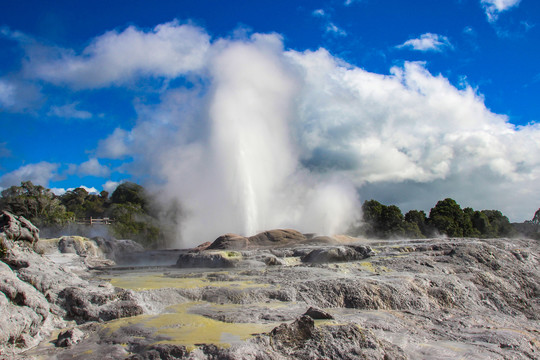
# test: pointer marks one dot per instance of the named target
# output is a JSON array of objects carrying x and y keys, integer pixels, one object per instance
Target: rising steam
[{"x": 245, "y": 175}]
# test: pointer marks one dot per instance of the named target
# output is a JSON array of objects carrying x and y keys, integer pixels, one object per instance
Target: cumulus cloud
[
  {"x": 427, "y": 42},
  {"x": 58, "y": 191},
  {"x": 90, "y": 190},
  {"x": 40, "y": 173},
  {"x": 168, "y": 50},
  {"x": 494, "y": 7},
  {"x": 92, "y": 167},
  {"x": 69, "y": 111},
  {"x": 110, "y": 186}
]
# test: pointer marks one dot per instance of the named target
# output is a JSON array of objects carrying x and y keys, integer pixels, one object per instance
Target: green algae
[
  {"x": 144, "y": 281},
  {"x": 181, "y": 327}
]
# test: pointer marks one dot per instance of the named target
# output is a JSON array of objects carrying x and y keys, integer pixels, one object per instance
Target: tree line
[
  {"x": 130, "y": 206},
  {"x": 136, "y": 215},
  {"x": 446, "y": 218}
]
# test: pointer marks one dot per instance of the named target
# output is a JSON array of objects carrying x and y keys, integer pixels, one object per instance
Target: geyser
[{"x": 245, "y": 175}]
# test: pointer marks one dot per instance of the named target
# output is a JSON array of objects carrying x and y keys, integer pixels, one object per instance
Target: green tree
[
  {"x": 34, "y": 202},
  {"x": 448, "y": 218},
  {"x": 481, "y": 224},
  {"x": 500, "y": 225},
  {"x": 74, "y": 201},
  {"x": 129, "y": 192},
  {"x": 419, "y": 218},
  {"x": 386, "y": 222},
  {"x": 132, "y": 222}
]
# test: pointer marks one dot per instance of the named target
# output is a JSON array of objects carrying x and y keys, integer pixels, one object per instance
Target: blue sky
[{"x": 407, "y": 102}]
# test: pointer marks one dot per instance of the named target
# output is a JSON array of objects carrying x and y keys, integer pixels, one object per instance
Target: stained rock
[
  {"x": 318, "y": 314},
  {"x": 277, "y": 238},
  {"x": 229, "y": 242},
  {"x": 209, "y": 259}
]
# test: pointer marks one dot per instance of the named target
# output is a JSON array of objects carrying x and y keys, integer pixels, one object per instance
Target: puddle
[
  {"x": 184, "y": 328},
  {"x": 152, "y": 281}
]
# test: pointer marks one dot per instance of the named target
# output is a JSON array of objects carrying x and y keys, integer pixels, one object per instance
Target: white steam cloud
[
  {"x": 245, "y": 175},
  {"x": 269, "y": 138}
]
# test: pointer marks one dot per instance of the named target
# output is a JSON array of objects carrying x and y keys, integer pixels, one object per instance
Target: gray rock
[
  {"x": 337, "y": 254},
  {"x": 17, "y": 228},
  {"x": 24, "y": 310},
  {"x": 394, "y": 299},
  {"x": 318, "y": 314},
  {"x": 69, "y": 337}
]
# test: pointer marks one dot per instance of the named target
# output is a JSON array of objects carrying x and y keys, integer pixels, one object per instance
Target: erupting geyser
[{"x": 246, "y": 176}]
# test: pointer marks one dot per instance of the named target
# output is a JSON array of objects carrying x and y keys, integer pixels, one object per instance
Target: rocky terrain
[{"x": 277, "y": 295}]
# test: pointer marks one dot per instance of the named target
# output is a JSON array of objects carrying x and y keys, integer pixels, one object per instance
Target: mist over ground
[{"x": 250, "y": 136}]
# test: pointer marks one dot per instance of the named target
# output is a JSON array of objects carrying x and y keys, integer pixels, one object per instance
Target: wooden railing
[{"x": 95, "y": 221}]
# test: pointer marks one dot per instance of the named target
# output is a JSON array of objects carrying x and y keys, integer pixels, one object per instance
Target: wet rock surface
[{"x": 402, "y": 299}]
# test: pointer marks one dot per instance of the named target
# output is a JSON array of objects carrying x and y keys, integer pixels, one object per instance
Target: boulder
[
  {"x": 271, "y": 238},
  {"x": 277, "y": 238},
  {"x": 69, "y": 337},
  {"x": 229, "y": 242},
  {"x": 17, "y": 228},
  {"x": 295, "y": 334},
  {"x": 24, "y": 310},
  {"x": 337, "y": 254},
  {"x": 318, "y": 314}
]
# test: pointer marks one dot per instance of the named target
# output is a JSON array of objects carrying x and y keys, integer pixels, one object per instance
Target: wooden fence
[{"x": 95, "y": 221}]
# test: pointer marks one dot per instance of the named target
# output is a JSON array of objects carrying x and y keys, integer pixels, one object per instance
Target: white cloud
[
  {"x": 334, "y": 29},
  {"x": 329, "y": 26},
  {"x": 116, "y": 146},
  {"x": 427, "y": 42},
  {"x": 7, "y": 93},
  {"x": 169, "y": 50},
  {"x": 40, "y": 173},
  {"x": 90, "y": 190},
  {"x": 17, "y": 95},
  {"x": 110, "y": 186},
  {"x": 69, "y": 111},
  {"x": 494, "y": 7},
  {"x": 58, "y": 191},
  {"x": 92, "y": 167}
]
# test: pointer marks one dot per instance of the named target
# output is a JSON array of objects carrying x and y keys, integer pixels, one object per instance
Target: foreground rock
[
  {"x": 40, "y": 292},
  {"x": 403, "y": 299},
  {"x": 301, "y": 298}
]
